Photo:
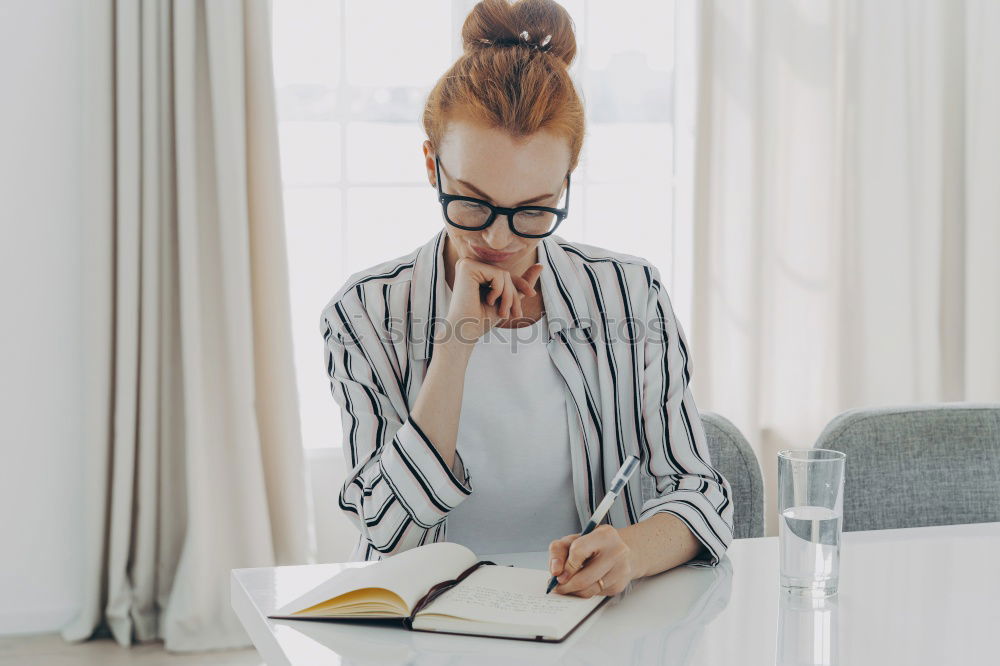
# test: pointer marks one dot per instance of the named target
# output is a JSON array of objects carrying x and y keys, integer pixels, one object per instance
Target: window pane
[
  {"x": 630, "y": 63},
  {"x": 627, "y": 90},
  {"x": 392, "y": 43},
  {"x": 306, "y": 42},
  {"x": 301, "y": 101},
  {"x": 310, "y": 152},
  {"x": 630, "y": 153},
  {"x": 306, "y": 58},
  {"x": 399, "y": 104},
  {"x": 386, "y": 222},
  {"x": 381, "y": 152},
  {"x": 315, "y": 272},
  {"x": 647, "y": 30},
  {"x": 632, "y": 220}
]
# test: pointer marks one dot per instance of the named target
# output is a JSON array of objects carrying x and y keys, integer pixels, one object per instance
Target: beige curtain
[
  {"x": 847, "y": 211},
  {"x": 192, "y": 444}
]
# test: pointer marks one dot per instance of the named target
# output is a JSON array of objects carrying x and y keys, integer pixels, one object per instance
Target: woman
[{"x": 493, "y": 380}]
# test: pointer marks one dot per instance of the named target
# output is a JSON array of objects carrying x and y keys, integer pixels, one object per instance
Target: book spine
[{"x": 440, "y": 589}]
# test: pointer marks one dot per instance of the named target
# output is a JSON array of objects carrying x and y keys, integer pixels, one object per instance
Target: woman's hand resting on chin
[{"x": 484, "y": 295}]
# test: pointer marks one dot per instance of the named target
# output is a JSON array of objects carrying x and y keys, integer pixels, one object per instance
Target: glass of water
[{"x": 811, "y": 508}]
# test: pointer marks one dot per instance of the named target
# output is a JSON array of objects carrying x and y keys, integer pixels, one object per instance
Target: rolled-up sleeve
[
  {"x": 398, "y": 488},
  {"x": 676, "y": 452}
]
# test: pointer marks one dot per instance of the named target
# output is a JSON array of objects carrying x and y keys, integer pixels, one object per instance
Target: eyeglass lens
[{"x": 471, "y": 214}]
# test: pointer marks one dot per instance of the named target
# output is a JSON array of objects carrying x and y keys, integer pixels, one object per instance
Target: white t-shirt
[{"x": 514, "y": 438}]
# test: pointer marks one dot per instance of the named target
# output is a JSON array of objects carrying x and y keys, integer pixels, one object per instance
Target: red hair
[{"x": 503, "y": 82}]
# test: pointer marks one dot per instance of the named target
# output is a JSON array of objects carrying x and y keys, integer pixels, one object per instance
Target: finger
[
  {"x": 580, "y": 550},
  {"x": 522, "y": 285},
  {"x": 558, "y": 550},
  {"x": 532, "y": 274},
  {"x": 511, "y": 294},
  {"x": 505, "y": 301},
  {"x": 515, "y": 298},
  {"x": 496, "y": 288},
  {"x": 499, "y": 301},
  {"x": 601, "y": 565},
  {"x": 613, "y": 584},
  {"x": 517, "y": 310},
  {"x": 557, "y": 555}
]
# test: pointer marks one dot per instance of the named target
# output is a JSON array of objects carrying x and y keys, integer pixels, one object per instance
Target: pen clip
[{"x": 623, "y": 474}]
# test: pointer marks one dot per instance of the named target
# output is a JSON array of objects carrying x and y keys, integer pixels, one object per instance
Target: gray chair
[
  {"x": 732, "y": 456},
  {"x": 919, "y": 465}
]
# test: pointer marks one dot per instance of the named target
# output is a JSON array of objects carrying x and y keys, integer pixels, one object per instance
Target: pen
[{"x": 631, "y": 463}]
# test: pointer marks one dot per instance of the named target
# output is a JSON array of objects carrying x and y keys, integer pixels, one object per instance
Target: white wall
[{"x": 40, "y": 369}]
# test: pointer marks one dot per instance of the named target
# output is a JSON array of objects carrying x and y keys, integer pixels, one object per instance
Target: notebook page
[
  {"x": 409, "y": 574},
  {"x": 512, "y": 595}
]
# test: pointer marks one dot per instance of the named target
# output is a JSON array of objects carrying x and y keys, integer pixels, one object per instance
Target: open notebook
[{"x": 443, "y": 587}]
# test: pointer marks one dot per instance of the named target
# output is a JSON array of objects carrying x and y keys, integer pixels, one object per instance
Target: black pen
[{"x": 621, "y": 478}]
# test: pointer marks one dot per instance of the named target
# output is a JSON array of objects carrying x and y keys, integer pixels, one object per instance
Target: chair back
[
  {"x": 918, "y": 465},
  {"x": 732, "y": 456}
]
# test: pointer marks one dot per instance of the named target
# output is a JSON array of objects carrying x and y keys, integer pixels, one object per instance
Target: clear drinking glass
[{"x": 811, "y": 509}]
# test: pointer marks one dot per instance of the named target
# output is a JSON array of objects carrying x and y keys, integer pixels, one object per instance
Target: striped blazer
[{"x": 614, "y": 340}]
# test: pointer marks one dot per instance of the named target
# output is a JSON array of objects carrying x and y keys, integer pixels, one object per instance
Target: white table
[{"x": 928, "y": 595}]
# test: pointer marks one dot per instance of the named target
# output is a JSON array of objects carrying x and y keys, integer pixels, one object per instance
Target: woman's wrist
[
  {"x": 636, "y": 564},
  {"x": 462, "y": 332},
  {"x": 455, "y": 348},
  {"x": 658, "y": 543}
]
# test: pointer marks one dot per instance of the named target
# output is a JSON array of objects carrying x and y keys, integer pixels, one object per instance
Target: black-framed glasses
[{"x": 474, "y": 214}]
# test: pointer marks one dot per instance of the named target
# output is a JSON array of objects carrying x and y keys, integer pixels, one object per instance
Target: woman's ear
[{"x": 429, "y": 162}]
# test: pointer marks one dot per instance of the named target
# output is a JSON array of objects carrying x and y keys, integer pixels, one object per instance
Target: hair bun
[{"x": 537, "y": 24}]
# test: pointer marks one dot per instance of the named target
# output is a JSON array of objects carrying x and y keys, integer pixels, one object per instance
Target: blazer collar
[{"x": 563, "y": 294}]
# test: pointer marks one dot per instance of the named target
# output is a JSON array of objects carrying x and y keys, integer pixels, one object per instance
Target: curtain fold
[
  {"x": 847, "y": 215},
  {"x": 194, "y": 463}
]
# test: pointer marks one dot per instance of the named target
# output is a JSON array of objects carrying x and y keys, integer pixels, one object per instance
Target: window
[{"x": 350, "y": 135}]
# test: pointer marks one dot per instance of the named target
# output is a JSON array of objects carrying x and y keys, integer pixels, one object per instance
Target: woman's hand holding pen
[
  {"x": 484, "y": 295},
  {"x": 579, "y": 562}
]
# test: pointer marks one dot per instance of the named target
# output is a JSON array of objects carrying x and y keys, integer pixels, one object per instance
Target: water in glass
[{"x": 810, "y": 548}]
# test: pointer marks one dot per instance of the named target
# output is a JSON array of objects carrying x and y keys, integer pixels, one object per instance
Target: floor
[{"x": 52, "y": 650}]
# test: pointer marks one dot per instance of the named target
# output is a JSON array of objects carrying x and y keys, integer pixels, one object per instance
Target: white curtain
[
  {"x": 194, "y": 460},
  {"x": 847, "y": 211}
]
